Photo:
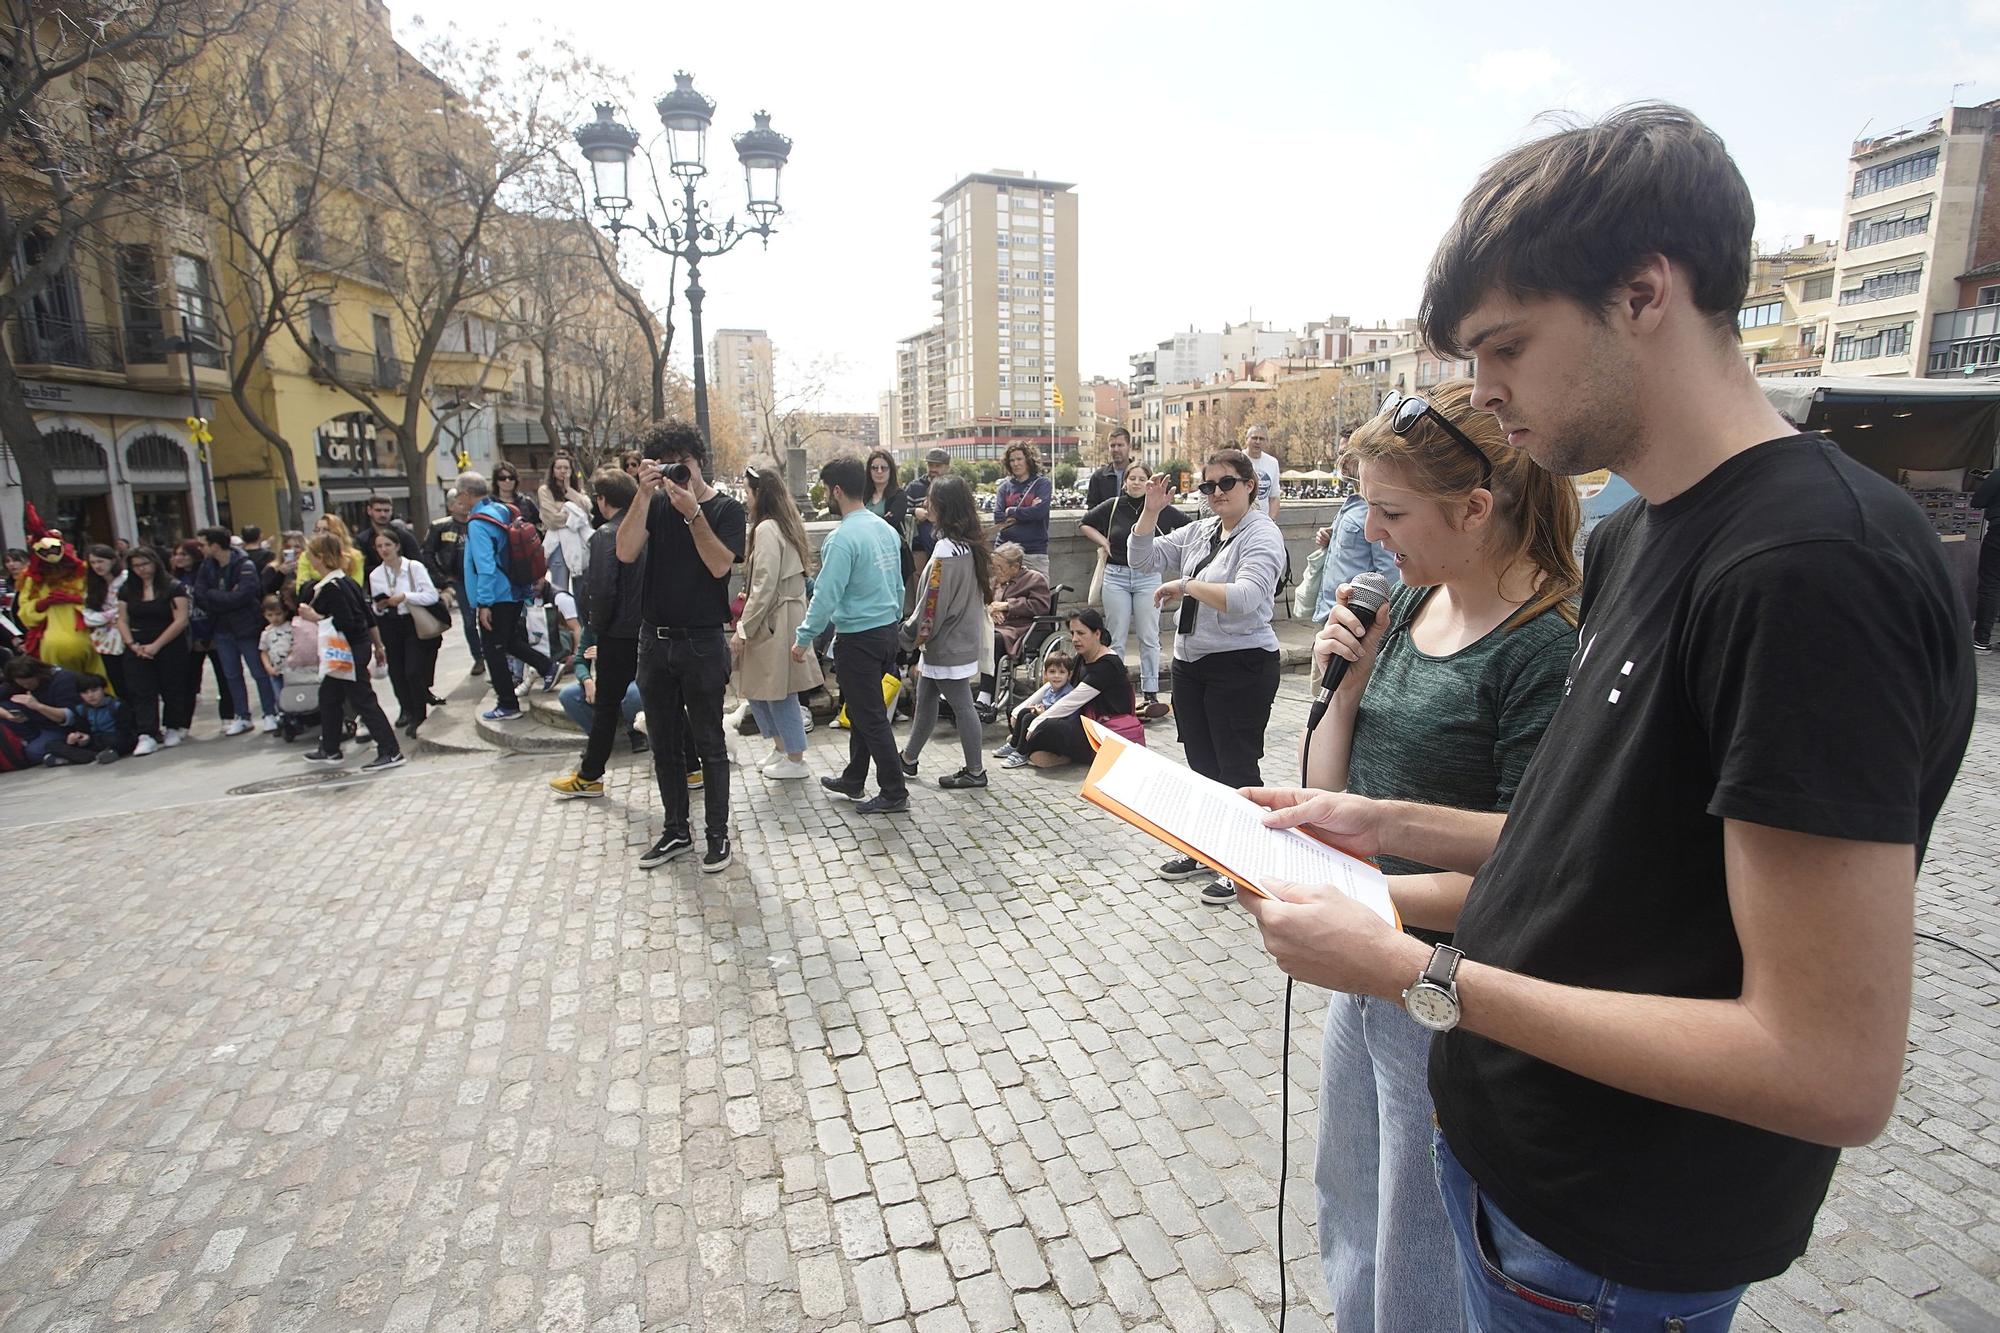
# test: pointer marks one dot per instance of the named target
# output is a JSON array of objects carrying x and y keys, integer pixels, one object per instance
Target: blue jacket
[
  {"x": 860, "y": 583},
  {"x": 486, "y": 580},
  {"x": 1349, "y": 553},
  {"x": 1031, "y": 520},
  {"x": 232, "y": 595}
]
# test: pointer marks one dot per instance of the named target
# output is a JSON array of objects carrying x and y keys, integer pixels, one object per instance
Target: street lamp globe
[
  {"x": 686, "y": 114},
  {"x": 763, "y": 152},
  {"x": 608, "y": 147}
]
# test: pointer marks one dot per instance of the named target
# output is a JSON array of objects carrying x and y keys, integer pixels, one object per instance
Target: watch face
[{"x": 1432, "y": 1007}]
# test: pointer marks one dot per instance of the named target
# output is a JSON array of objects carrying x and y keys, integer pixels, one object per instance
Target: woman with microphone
[
  {"x": 1447, "y": 692},
  {"x": 1223, "y": 574}
]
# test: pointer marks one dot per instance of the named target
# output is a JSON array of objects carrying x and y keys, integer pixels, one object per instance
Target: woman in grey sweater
[
  {"x": 1222, "y": 576},
  {"x": 947, "y": 625}
]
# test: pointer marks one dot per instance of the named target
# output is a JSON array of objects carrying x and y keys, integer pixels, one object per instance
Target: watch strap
[{"x": 1442, "y": 969}]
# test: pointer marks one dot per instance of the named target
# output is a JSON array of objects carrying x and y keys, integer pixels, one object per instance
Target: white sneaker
[
  {"x": 639, "y": 724},
  {"x": 269, "y": 724},
  {"x": 173, "y": 736},
  {"x": 807, "y": 714},
  {"x": 787, "y": 769},
  {"x": 146, "y": 745},
  {"x": 770, "y": 760},
  {"x": 237, "y": 726}
]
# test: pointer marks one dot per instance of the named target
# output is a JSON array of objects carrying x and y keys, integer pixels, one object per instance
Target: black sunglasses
[
  {"x": 1223, "y": 484},
  {"x": 1406, "y": 410}
]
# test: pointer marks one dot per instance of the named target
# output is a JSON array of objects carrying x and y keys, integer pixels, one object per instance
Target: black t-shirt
[
  {"x": 149, "y": 617},
  {"x": 1113, "y": 683},
  {"x": 1780, "y": 645},
  {"x": 679, "y": 592},
  {"x": 1115, "y": 517}
]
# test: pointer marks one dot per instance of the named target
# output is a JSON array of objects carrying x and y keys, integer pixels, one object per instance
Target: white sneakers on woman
[
  {"x": 787, "y": 769},
  {"x": 173, "y": 736},
  {"x": 146, "y": 745}
]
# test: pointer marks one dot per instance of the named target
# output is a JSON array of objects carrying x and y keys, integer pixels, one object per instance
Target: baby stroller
[{"x": 298, "y": 690}]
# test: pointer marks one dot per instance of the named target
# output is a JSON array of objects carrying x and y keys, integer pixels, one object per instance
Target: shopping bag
[
  {"x": 336, "y": 655},
  {"x": 891, "y": 687}
]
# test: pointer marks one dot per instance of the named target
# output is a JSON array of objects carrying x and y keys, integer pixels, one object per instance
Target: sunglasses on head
[
  {"x": 1406, "y": 410},
  {"x": 1223, "y": 484}
]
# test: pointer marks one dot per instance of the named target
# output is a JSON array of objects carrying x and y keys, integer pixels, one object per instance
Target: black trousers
[
  {"x": 509, "y": 638},
  {"x": 336, "y": 695},
  {"x": 1988, "y": 606},
  {"x": 156, "y": 683},
  {"x": 681, "y": 682},
  {"x": 860, "y": 660},
  {"x": 1222, "y": 703},
  {"x": 616, "y": 667},
  {"x": 225, "y": 707},
  {"x": 412, "y": 665}
]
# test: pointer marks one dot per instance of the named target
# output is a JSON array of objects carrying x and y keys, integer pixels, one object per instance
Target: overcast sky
[{"x": 1285, "y": 161}]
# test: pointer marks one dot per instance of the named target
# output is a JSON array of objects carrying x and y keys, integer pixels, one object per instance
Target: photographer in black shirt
[
  {"x": 1681, "y": 973},
  {"x": 690, "y": 536}
]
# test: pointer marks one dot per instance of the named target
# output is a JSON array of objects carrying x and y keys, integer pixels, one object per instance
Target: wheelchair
[{"x": 1047, "y": 636}]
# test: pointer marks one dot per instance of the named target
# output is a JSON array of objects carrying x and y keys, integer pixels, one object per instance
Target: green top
[{"x": 1455, "y": 731}]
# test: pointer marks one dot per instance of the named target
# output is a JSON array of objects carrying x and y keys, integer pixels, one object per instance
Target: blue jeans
[
  {"x": 1128, "y": 601},
  {"x": 780, "y": 720},
  {"x": 1515, "y": 1284},
  {"x": 1384, "y": 1241},
  {"x": 572, "y": 703},
  {"x": 234, "y": 653}
]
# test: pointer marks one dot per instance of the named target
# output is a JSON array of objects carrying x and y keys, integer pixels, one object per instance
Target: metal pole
[
  {"x": 201, "y": 450},
  {"x": 694, "y": 294}
]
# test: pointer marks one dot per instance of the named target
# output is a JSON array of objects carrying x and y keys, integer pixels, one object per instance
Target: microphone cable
[{"x": 1284, "y": 1146}]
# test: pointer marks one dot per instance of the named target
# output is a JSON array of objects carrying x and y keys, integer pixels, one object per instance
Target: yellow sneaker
[
  {"x": 569, "y": 786},
  {"x": 694, "y": 779}
]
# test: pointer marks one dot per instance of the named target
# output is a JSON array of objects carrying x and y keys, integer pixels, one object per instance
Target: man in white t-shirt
[{"x": 1267, "y": 469}]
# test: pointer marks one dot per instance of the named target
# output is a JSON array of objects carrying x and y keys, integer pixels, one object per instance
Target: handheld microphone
[{"x": 1368, "y": 594}]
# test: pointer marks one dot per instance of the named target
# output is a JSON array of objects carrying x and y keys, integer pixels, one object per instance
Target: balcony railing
[
  {"x": 34, "y": 341},
  {"x": 338, "y": 365},
  {"x": 317, "y": 251}
]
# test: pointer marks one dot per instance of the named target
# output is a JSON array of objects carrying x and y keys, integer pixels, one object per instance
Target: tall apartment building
[
  {"x": 920, "y": 388},
  {"x": 1006, "y": 265},
  {"x": 1908, "y": 228},
  {"x": 739, "y": 373}
]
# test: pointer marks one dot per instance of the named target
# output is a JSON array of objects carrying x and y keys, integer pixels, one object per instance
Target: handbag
[
  {"x": 336, "y": 655},
  {"x": 1125, "y": 725},
  {"x": 425, "y": 622}
]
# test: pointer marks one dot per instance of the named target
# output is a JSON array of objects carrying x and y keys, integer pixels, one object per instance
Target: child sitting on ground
[
  {"x": 1055, "y": 684},
  {"x": 101, "y": 728}
]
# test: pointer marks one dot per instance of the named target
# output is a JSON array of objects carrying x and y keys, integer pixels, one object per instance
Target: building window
[
  {"x": 1881, "y": 286},
  {"x": 139, "y": 304},
  {"x": 1915, "y": 167},
  {"x": 1988, "y": 296},
  {"x": 319, "y": 322},
  {"x": 196, "y": 299},
  {"x": 1889, "y": 227},
  {"x": 1759, "y": 316},
  {"x": 1866, "y": 347},
  {"x": 1819, "y": 288}
]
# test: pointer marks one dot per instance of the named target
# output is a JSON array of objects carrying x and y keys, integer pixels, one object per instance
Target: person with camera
[
  {"x": 397, "y": 583},
  {"x": 691, "y": 537}
]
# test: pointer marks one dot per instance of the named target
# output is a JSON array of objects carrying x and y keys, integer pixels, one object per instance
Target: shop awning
[{"x": 1894, "y": 425}]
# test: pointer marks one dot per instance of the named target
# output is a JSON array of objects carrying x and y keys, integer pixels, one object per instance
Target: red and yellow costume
[{"x": 49, "y": 602}]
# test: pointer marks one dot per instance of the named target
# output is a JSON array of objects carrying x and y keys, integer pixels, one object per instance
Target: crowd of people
[{"x": 1652, "y": 967}]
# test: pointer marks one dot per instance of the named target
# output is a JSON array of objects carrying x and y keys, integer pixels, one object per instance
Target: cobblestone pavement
[{"x": 434, "y": 1054}]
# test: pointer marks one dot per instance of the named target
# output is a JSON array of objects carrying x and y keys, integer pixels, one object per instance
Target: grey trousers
[{"x": 970, "y": 733}]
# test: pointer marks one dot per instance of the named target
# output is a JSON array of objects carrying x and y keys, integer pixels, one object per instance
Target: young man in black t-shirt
[
  {"x": 689, "y": 537},
  {"x": 1108, "y": 479},
  {"x": 1681, "y": 974}
]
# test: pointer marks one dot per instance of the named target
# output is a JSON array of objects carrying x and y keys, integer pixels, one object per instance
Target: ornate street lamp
[{"x": 690, "y": 232}]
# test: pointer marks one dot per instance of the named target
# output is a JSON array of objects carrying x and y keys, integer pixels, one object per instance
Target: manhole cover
[{"x": 296, "y": 781}]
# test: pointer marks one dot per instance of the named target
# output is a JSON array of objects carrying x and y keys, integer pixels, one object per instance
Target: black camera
[{"x": 677, "y": 473}]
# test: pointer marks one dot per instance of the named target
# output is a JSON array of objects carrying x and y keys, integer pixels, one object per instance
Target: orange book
[{"x": 1219, "y": 826}]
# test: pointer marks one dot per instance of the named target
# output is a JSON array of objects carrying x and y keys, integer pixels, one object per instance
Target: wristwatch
[{"x": 1433, "y": 1000}]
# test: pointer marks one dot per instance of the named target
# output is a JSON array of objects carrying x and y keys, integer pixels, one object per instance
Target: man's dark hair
[
  {"x": 675, "y": 439},
  {"x": 21, "y": 669},
  {"x": 87, "y": 681},
  {"x": 252, "y": 534},
  {"x": 615, "y": 487},
  {"x": 215, "y": 536},
  {"x": 1119, "y": 433},
  {"x": 1576, "y": 213},
  {"x": 850, "y": 474}
]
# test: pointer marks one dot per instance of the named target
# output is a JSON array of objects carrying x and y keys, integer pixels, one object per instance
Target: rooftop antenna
[{"x": 1952, "y": 100}]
